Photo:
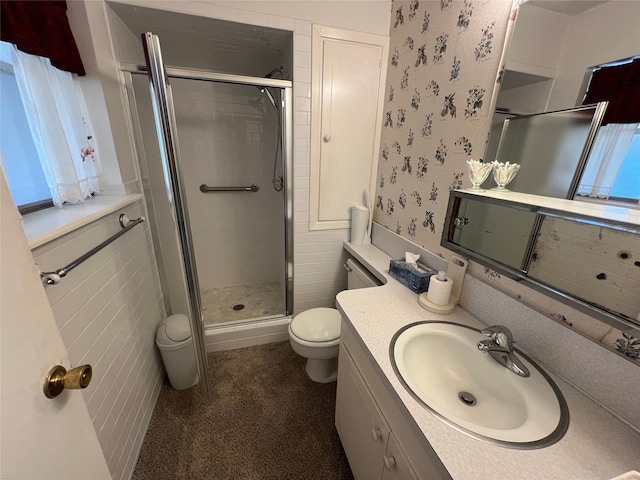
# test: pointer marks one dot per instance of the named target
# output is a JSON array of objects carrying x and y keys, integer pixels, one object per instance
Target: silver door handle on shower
[{"x": 204, "y": 188}]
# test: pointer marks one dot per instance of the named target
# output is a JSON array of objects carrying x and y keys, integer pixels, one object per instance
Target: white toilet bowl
[{"x": 315, "y": 335}]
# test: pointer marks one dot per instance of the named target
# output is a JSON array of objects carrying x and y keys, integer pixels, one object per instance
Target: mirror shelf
[
  {"x": 586, "y": 255},
  {"x": 596, "y": 212}
]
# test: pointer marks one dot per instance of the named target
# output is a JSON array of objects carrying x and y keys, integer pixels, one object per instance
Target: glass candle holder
[
  {"x": 478, "y": 173},
  {"x": 503, "y": 173}
]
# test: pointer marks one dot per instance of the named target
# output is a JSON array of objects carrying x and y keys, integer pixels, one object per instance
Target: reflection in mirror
[
  {"x": 555, "y": 47},
  {"x": 497, "y": 232},
  {"x": 587, "y": 262},
  {"x": 551, "y": 148},
  {"x": 596, "y": 264}
]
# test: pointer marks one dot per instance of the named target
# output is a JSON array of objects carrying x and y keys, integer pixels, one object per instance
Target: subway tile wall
[
  {"x": 228, "y": 137},
  {"x": 107, "y": 310},
  {"x": 318, "y": 275}
]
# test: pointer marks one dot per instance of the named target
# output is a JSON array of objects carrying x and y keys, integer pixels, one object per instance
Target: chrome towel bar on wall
[
  {"x": 204, "y": 188},
  {"x": 52, "y": 278}
]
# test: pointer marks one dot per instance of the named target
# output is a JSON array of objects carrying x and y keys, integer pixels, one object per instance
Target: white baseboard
[{"x": 240, "y": 336}]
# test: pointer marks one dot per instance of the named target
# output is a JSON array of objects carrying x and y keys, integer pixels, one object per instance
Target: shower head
[
  {"x": 266, "y": 91},
  {"x": 279, "y": 70}
]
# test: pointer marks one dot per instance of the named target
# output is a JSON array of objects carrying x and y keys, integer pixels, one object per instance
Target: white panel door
[
  {"x": 349, "y": 93},
  {"x": 41, "y": 438},
  {"x": 348, "y": 76}
]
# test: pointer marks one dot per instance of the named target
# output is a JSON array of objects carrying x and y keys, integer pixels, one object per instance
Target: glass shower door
[
  {"x": 231, "y": 158},
  {"x": 231, "y": 170}
]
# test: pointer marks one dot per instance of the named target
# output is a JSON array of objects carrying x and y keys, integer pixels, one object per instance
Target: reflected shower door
[{"x": 551, "y": 148}]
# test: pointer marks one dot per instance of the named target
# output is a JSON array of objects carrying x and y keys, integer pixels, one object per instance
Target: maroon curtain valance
[
  {"x": 41, "y": 28},
  {"x": 620, "y": 85}
]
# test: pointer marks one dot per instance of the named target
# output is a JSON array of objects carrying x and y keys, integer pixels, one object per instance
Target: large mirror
[
  {"x": 589, "y": 262},
  {"x": 556, "y": 45}
]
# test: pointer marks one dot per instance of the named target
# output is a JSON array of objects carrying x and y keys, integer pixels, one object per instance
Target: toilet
[{"x": 315, "y": 333}]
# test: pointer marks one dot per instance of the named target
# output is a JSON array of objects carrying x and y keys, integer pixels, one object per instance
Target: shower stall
[{"x": 214, "y": 152}]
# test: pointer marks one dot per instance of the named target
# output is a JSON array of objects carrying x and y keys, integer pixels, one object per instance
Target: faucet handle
[{"x": 501, "y": 335}]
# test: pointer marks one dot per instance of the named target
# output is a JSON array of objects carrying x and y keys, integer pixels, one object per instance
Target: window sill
[
  {"x": 47, "y": 225},
  {"x": 607, "y": 202}
]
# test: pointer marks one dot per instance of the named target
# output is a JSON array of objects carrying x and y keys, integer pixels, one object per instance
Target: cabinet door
[
  {"x": 362, "y": 428},
  {"x": 348, "y": 99},
  {"x": 396, "y": 464}
]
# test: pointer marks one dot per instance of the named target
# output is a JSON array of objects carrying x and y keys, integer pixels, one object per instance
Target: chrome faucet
[{"x": 500, "y": 346}]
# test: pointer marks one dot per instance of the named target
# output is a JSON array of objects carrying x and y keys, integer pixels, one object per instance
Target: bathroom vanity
[{"x": 388, "y": 434}]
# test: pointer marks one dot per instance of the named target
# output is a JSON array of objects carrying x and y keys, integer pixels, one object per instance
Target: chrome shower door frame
[
  {"x": 287, "y": 161},
  {"x": 165, "y": 119}
]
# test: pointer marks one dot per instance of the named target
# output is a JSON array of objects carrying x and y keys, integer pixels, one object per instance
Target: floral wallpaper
[{"x": 445, "y": 59}]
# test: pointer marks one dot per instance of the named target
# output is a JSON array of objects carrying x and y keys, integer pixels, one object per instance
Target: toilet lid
[{"x": 317, "y": 325}]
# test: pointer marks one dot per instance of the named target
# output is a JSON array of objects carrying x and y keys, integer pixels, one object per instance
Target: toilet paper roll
[
  {"x": 359, "y": 223},
  {"x": 439, "y": 292}
]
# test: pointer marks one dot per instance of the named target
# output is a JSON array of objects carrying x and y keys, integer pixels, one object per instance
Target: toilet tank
[{"x": 358, "y": 276}]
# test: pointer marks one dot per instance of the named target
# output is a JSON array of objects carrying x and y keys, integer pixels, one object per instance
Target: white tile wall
[
  {"x": 127, "y": 46},
  {"x": 107, "y": 310},
  {"x": 238, "y": 237},
  {"x": 318, "y": 275}
]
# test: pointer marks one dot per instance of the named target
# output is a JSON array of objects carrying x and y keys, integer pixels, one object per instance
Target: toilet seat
[{"x": 319, "y": 326}]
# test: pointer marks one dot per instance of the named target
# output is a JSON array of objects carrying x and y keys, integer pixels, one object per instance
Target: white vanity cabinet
[
  {"x": 396, "y": 464},
  {"x": 363, "y": 430},
  {"x": 377, "y": 439}
]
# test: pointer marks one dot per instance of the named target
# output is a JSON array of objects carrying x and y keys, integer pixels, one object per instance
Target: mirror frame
[{"x": 619, "y": 321}]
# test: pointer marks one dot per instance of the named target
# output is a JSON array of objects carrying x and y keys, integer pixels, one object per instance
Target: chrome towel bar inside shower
[
  {"x": 204, "y": 188},
  {"x": 52, "y": 278}
]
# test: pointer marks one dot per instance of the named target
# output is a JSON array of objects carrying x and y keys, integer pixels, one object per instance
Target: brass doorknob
[{"x": 58, "y": 379}]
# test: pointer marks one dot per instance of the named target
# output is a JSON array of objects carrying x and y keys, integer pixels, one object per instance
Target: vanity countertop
[{"x": 596, "y": 446}]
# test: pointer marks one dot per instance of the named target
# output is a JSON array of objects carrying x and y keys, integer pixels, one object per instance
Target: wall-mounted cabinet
[{"x": 349, "y": 72}]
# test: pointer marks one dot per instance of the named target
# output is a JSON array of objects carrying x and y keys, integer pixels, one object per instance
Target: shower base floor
[{"x": 262, "y": 300}]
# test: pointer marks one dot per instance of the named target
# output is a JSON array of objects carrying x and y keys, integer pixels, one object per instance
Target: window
[
  {"x": 627, "y": 183},
  {"x": 48, "y": 115},
  {"x": 613, "y": 168},
  {"x": 21, "y": 164}
]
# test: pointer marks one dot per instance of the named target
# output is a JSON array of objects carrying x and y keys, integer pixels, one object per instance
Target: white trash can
[{"x": 175, "y": 342}]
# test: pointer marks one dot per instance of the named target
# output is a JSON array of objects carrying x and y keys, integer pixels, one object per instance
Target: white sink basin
[{"x": 441, "y": 366}]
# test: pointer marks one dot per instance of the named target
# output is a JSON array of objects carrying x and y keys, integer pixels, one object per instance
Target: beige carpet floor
[{"x": 264, "y": 419}]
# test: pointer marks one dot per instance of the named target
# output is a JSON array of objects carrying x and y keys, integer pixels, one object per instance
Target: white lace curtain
[
  {"x": 608, "y": 152},
  {"x": 57, "y": 116}
]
